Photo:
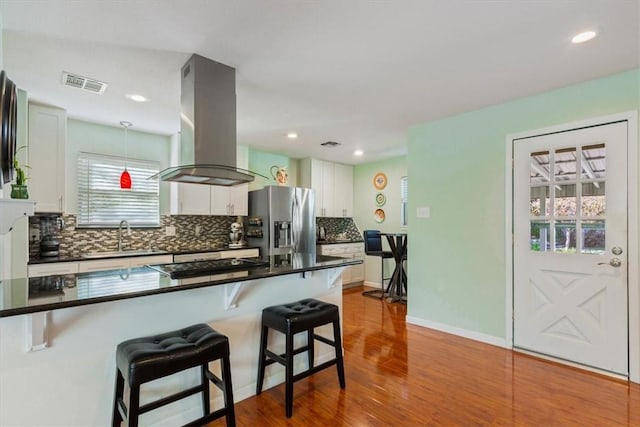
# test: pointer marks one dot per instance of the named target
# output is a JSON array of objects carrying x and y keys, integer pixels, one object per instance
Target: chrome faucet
[{"x": 122, "y": 223}]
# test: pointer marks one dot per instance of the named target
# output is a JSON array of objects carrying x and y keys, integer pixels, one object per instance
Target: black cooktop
[{"x": 180, "y": 270}]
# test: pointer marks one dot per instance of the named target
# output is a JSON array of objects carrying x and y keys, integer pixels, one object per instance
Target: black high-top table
[{"x": 398, "y": 284}]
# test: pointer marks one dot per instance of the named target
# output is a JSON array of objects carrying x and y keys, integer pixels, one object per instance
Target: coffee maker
[{"x": 50, "y": 226}]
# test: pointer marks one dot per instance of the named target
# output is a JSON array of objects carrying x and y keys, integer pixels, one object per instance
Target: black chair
[
  {"x": 141, "y": 360},
  {"x": 373, "y": 247}
]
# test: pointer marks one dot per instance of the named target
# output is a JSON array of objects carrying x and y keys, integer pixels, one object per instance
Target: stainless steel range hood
[{"x": 208, "y": 126}]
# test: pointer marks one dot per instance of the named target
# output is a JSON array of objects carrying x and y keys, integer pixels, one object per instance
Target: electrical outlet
[
  {"x": 35, "y": 235},
  {"x": 423, "y": 212},
  {"x": 170, "y": 230},
  {"x": 198, "y": 229}
]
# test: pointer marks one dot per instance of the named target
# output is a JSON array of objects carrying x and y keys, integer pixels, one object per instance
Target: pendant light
[{"x": 125, "y": 178}]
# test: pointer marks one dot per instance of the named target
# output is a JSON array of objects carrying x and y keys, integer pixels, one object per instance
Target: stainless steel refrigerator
[{"x": 287, "y": 220}]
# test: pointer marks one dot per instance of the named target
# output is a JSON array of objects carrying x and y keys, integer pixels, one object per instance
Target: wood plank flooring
[{"x": 406, "y": 375}]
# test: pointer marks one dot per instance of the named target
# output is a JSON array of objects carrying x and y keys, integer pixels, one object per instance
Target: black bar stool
[
  {"x": 373, "y": 247},
  {"x": 141, "y": 360},
  {"x": 301, "y": 316}
]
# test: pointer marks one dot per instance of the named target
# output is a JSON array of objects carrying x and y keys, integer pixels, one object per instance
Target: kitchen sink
[{"x": 130, "y": 252}]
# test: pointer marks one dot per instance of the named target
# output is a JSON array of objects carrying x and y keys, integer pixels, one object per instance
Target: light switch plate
[
  {"x": 423, "y": 212},
  {"x": 170, "y": 230}
]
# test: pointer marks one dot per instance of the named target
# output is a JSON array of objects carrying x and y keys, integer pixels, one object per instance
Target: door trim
[{"x": 631, "y": 117}]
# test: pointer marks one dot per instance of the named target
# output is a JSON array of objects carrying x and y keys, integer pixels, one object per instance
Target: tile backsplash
[
  {"x": 192, "y": 232},
  {"x": 339, "y": 226}
]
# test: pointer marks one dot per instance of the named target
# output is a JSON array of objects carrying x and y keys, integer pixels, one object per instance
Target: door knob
[{"x": 615, "y": 262}]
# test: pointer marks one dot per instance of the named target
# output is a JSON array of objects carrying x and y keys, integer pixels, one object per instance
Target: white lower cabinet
[
  {"x": 141, "y": 261},
  {"x": 352, "y": 274},
  {"x": 72, "y": 267},
  {"x": 120, "y": 263},
  {"x": 52, "y": 269}
]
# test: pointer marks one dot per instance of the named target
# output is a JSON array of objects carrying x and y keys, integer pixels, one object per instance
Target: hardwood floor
[{"x": 406, "y": 375}]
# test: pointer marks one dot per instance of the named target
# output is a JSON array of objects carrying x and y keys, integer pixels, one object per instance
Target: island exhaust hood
[{"x": 208, "y": 126}]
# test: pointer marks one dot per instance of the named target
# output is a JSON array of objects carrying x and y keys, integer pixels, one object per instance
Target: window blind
[
  {"x": 101, "y": 201},
  {"x": 404, "y": 201}
]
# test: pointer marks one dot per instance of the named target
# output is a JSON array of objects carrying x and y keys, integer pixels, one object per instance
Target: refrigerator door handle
[{"x": 294, "y": 223}]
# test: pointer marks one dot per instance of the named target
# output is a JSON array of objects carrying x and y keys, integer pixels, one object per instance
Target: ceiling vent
[
  {"x": 330, "y": 144},
  {"x": 85, "y": 83}
]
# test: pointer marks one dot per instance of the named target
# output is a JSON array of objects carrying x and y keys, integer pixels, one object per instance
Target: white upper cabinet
[
  {"x": 200, "y": 199},
  {"x": 47, "y": 146},
  {"x": 193, "y": 199},
  {"x": 343, "y": 194},
  {"x": 333, "y": 186}
]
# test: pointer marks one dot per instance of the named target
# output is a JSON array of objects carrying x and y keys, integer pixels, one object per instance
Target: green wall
[
  {"x": 109, "y": 140},
  {"x": 457, "y": 169},
  {"x": 364, "y": 204},
  {"x": 262, "y": 161}
]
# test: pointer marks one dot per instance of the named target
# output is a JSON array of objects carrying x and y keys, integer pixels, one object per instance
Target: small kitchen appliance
[
  {"x": 322, "y": 233},
  {"x": 50, "y": 226},
  {"x": 236, "y": 235}
]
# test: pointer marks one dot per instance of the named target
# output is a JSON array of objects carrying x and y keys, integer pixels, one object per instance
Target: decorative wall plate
[
  {"x": 380, "y": 181},
  {"x": 380, "y": 199},
  {"x": 379, "y": 215}
]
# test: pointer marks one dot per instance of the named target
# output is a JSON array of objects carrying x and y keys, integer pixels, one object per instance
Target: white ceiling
[{"x": 357, "y": 72}]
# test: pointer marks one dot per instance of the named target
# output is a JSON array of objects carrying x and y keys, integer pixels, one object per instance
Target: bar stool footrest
[
  {"x": 280, "y": 358},
  {"x": 210, "y": 417},
  {"x": 169, "y": 399},
  {"x": 324, "y": 340},
  {"x": 315, "y": 369}
]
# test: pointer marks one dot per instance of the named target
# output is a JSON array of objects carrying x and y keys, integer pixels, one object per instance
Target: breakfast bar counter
[
  {"x": 70, "y": 377},
  {"x": 37, "y": 294}
]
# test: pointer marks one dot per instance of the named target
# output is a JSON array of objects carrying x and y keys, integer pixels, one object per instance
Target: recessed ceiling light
[
  {"x": 358, "y": 153},
  {"x": 292, "y": 135},
  {"x": 137, "y": 98},
  {"x": 583, "y": 37}
]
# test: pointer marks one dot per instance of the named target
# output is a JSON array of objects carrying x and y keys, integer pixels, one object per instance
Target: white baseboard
[
  {"x": 372, "y": 285},
  {"x": 476, "y": 336}
]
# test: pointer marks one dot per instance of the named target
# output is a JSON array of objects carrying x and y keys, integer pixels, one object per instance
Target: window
[
  {"x": 101, "y": 202},
  {"x": 404, "y": 201}
]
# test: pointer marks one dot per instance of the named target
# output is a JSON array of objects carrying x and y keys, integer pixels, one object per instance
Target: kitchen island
[{"x": 70, "y": 381}]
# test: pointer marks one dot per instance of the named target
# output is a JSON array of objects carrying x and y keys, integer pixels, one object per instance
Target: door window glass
[
  {"x": 539, "y": 167},
  {"x": 540, "y": 201},
  {"x": 593, "y": 199},
  {"x": 565, "y": 237},
  {"x": 539, "y": 232},
  {"x": 568, "y": 210},
  {"x": 565, "y": 200},
  {"x": 593, "y": 161},
  {"x": 593, "y": 237},
  {"x": 565, "y": 164}
]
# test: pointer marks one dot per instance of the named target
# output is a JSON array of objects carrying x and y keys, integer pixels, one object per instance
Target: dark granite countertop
[
  {"x": 126, "y": 254},
  {"x": 337, "y": 242},
  {"x": 24, "y": 295}
]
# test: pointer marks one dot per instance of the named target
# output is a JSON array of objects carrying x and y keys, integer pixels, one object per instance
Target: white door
[{"x": 570, "y": 246}]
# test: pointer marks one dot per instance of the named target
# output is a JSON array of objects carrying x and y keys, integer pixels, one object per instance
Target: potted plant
[{"x": 19, "y": 189}]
